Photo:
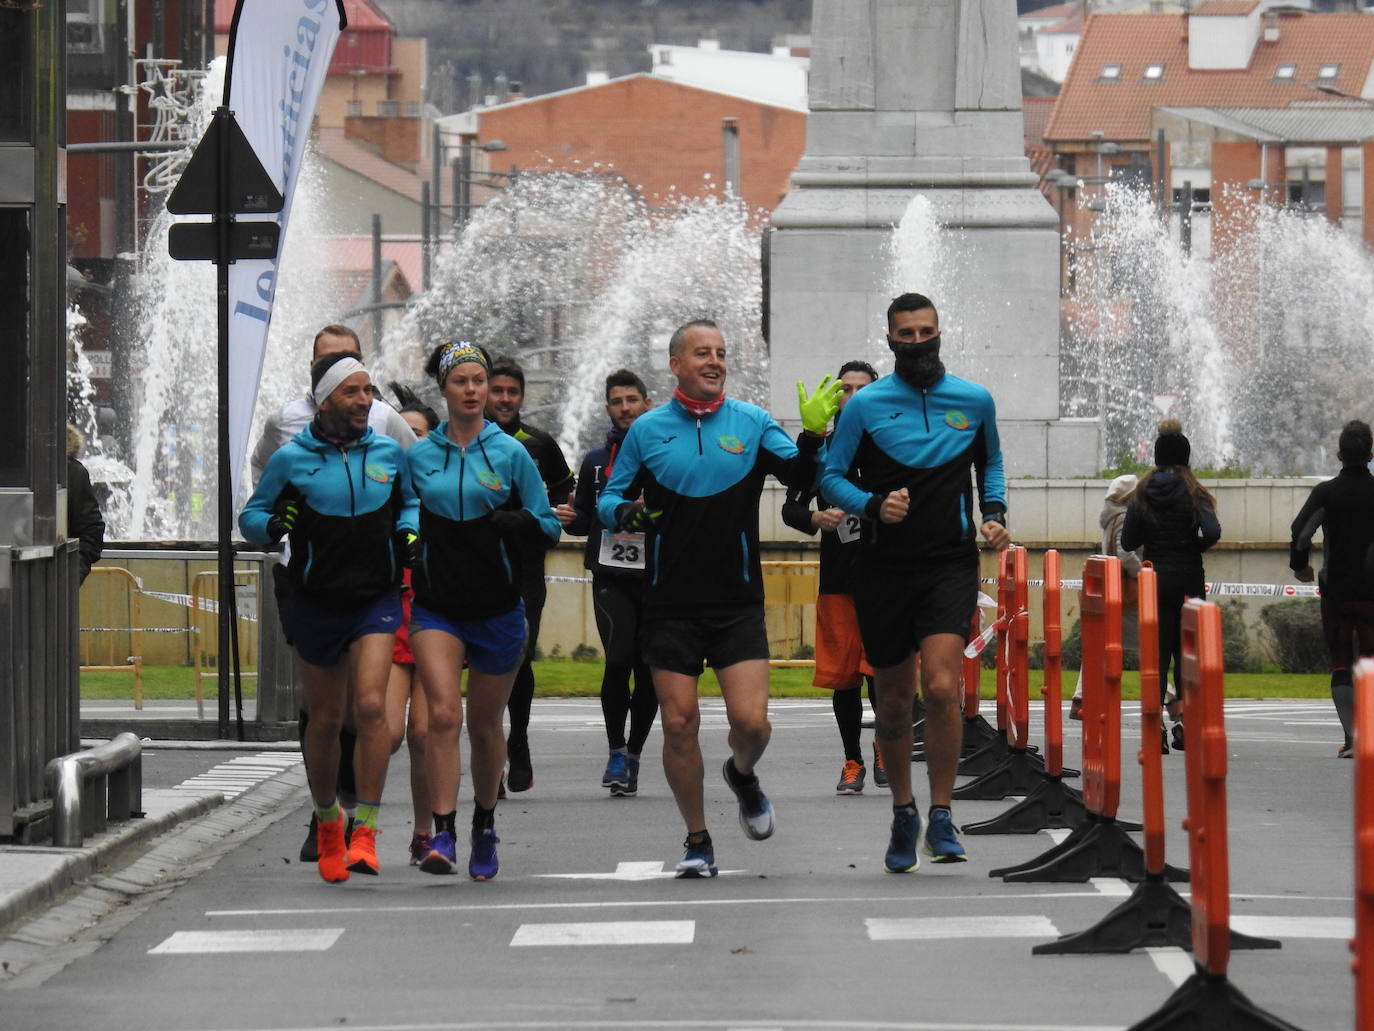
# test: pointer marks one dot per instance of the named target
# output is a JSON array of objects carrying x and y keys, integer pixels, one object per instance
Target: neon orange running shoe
[
  {"x": 333, "y": 861},
  {"x": 851, "y": 779},
  {"x": 362, "y": 850}
]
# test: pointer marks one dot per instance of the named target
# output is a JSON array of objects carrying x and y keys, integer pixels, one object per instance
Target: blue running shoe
[
  {"x": 901, "y": 847},
  {"x": 698, "y": 861},
  {"x": 942, "y": 842},
  {"x": 617, "y": 773},
  {"x": 482, "y": 864},
  {"x": 629, "y": 787},
  {"x": 755, "y": 811},
  {"x": 442, "y": 856}
]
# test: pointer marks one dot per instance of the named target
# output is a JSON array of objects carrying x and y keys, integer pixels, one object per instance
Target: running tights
[{"x": 617, "y": 702}]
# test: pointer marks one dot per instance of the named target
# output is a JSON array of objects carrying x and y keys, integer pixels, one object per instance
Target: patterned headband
[{"x": 455, "y": 354}]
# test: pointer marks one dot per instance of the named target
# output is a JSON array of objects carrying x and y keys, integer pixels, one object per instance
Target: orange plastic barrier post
[
  {"x": 1207, "y": 999},
  {"x": 1363, "y": 943},
  {"x": 1099, "y": 845},
  {"x": 1054, "y": 668},
  {"x": 1151, "y": 726},
  {"x": 1018, "y": 676}
]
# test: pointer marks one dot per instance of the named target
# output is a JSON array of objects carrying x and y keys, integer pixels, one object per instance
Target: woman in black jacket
[{"x": 1172, "y": 519}]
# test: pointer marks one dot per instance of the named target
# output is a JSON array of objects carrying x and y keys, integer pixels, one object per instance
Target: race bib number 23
[{"x": 622, "y": 550}]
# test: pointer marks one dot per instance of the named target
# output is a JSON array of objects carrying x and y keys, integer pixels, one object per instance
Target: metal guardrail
[
  {"x": 135, "y": 630},
  {"x": 91, "y": 787},
  {"x": 806, "y": 568},
  {"x": 205, "y": 627}
]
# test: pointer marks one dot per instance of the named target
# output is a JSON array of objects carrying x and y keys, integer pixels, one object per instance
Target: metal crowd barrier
[
  {"x": 205, "y": 628},
  {"x": 134, "y": 664}
]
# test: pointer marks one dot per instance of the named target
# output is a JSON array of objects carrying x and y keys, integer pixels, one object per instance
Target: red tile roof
[
  {"x": 1037, "y": 114},
  {"x": 1121, "y": 109},
  {"x": 352, "y": 256},
  {"x": 358, "y": 159},
  {"x": 1225, "y": 7}
]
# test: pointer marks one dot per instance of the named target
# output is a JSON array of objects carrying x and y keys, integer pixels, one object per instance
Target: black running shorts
[
  {"x": 899, "y": 607},
  {"x": 681, "y": 644}
]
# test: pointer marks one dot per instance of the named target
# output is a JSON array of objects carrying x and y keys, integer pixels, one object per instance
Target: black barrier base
[
  {"x": 989, "y": 754},
  {"x": 1097, "y": 847},
  {"x": 1016, "y": 774},
  {"x": 1154, "y": 915},
  {"x": 977, "y": 733},
  {"x": 1052, "y": 804},
  {"x": 1210, "y": 1002}
]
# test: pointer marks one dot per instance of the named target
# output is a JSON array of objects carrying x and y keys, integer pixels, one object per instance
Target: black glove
[
  {"x": 511, "y": 523},
  {"x": 408, "y": 548},
  {"x": 286, "y": 513},
  {"x": 632, "y": 517}
]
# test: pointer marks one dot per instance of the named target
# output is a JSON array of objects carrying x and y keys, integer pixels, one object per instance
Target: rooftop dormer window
[
  {"x": 1152, "y": 73},
  {"x": 1110, "y": 73},
  {"x": 1328, "y": 72},
  {"x": 1285, "y": 73}
]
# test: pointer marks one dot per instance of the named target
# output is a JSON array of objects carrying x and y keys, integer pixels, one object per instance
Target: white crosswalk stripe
[{"x": 242, "y": 773}]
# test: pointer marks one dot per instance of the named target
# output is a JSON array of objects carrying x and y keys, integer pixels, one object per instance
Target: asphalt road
[{"x": 586, "y": 928}]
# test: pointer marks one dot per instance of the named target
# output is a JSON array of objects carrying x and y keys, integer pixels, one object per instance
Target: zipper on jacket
[
  {"x": 462, "y": 471},
  {"x": 925, "y": 414},
  {"x": 699, "y": 451},
  {"x": 348, "y": 475}
]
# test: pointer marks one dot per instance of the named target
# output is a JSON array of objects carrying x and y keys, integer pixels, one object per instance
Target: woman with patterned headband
[
  {"x": 479, "y": 493},
  {"x": 342, "y": 492}
]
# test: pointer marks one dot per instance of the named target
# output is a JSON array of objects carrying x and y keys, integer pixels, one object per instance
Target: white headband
[{"x": 334, "y": 375}]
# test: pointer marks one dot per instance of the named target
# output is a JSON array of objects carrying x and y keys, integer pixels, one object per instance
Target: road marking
[
  {"x": 632, "y": 871},
  {"x": 285, "y": 940},
  {"x": 1058, "y": 834},
  {"x": 848, "y": 1024},
  {"x": 1295, "y": 926},
  {"x": 1174, "y": 963},
  {"x": 1113, "y": 887},
  {"x": 616, "y": 932},
  {"x": 887, "y": 929},
  {"x": 235, "y": 776}
]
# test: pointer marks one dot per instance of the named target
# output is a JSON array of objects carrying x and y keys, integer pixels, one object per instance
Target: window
[
  {"x": 1110, "y": 73},
  {"x": 1328, "y": 72},
  {"x": 355, "y": 109},
  {"x": 1152, "y": 73},
  {"x": 1285, "y": 73}
]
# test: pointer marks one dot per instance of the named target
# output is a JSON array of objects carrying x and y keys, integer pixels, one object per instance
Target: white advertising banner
[{"x": 279, "y": 53}]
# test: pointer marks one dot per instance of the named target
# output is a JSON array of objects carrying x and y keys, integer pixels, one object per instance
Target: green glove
[{"x": 818, "y": 409}]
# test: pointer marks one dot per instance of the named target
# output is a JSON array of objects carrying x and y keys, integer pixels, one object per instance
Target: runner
[
  {"x": 616, "y": 562},
  {"x": 1344, "y": 509},
  {"x": 911, "y": 440},
  {"x": 342, "y": 493},
  {"x": 479, "y": 493},
  {"x": 840, "y": 662},
  {"x": 278, "y": 431},
  {"x": 699, "y": 463},
  {"x": 505, "y": 396}
]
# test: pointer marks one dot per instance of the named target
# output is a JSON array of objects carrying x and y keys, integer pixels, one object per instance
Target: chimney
[
  {"x": 708, "y": 44},
  {"x": 513, "y": 90},
  {"x": 1271, "y": 26},
  {"x": 597, "y": 78}
]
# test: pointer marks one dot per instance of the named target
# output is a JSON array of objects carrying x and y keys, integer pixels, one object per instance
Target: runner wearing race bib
[{"x": 616, "y": 562}]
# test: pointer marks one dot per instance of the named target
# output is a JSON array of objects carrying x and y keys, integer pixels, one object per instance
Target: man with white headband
[
  {"x": 278, "y": 430},
  {"x": 342, "y": 492}
]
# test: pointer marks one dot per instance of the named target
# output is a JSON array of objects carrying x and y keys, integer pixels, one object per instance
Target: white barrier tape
[
  {"x": 136, "y": 629},
  {"x": 211, "y": 605},
  {"x": 567, "y": 579},
  {"x": 1218, "y": 587}
]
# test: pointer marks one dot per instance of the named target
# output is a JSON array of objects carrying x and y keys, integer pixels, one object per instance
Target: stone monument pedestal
[{"x": 923, "y": 100}]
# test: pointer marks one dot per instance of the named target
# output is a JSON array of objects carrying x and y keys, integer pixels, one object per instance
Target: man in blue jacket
[
  {"x": 909, "y": 442},
  {"x": 700, "y": 461}
]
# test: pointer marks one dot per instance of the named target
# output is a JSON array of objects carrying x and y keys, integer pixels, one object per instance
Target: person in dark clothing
[
  {"x": 1343, "y": 508},
  {"x": 505, "y": 395},
  {"x": 616, "y": 562},
  {"x": 1172, "y": 520},
  {"x": 84, "y": 519},
  {"x": 840, "y": 662}
]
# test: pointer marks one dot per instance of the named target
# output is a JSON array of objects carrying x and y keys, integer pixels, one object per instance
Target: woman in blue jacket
[
  {"x": 342, "y": 493},
  {"x": 480, "y": 493}
]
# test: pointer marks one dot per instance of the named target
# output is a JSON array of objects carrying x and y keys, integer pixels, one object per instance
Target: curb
[{"x": 47, "y": 873}]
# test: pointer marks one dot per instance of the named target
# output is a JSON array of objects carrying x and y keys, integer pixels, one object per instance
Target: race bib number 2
[
  {"x": 848, "y": 530},
  {"x": 622, "y": 550}
]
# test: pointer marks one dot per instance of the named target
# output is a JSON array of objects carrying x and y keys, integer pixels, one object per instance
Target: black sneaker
[
  {"x": 310, "y": 847},
  {"x": 1176, "y": 736},
  {"x": 698, "y": 861},
  {"x": 520, "y": 775},
  {"x": 755, "y": 811}
]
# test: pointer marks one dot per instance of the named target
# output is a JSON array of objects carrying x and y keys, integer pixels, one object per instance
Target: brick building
[{"x": 664, "y": 138}]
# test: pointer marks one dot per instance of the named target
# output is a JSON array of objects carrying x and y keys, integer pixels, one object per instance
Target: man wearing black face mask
[{"x": 901, "y": 457}]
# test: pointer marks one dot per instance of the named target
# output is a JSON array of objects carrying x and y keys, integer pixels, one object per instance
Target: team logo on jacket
[
  {"x": 956, "y": 419},
  {"x": 731, "y": 444},
  {"x": 487, "y": 478},
  {"x": 376, "y": 472}
]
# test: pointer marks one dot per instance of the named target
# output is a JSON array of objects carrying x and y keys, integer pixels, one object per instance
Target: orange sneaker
[
  {"x": 851, "y": 779},
  {"x": 333, "y": 861},
  {"x": 879, "y": 770},
  {"x": 362, "y": 850}
]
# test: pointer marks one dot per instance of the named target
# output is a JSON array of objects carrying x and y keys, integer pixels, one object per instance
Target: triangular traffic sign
[{"x": 251, "y": 189}]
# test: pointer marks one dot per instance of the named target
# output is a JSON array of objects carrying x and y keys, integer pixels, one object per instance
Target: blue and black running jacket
[
  {"x": 351, "y": 498},
  {"x": 704, "y": 476},
  {"x": 467, "y": 568},
  {"x": 892, "y": 435}
]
